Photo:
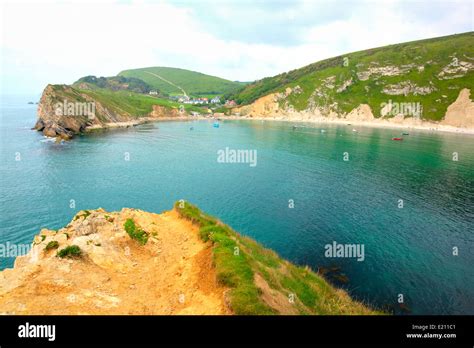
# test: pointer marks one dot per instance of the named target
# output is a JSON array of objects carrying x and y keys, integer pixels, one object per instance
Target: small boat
[
  {"x": 404, "y": 133},
  {"x": 354, "y": 130},
  {"x": 323, "y": 131},
  {"x": 397, "y": 138},
  {"x": 216, "y": 125}
]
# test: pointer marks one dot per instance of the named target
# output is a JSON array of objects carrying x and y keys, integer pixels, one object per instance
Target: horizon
[{"x": 232, "y": 40}]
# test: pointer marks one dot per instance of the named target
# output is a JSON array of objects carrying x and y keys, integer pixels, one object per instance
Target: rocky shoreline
[{"x": 459, "y": 117}]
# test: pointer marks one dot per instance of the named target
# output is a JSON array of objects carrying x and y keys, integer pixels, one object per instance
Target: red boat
[{"x": 397, "y": 138}]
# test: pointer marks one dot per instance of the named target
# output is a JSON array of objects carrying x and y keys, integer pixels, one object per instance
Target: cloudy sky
[{"x": 59, "y": 42}]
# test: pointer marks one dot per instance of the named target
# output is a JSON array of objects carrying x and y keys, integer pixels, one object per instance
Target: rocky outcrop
[
  {"x": 378, "y": 71},
  {"x": 115, "y": 274},
  {"x": 455, "y": 69},
  {"x": 461, "y": 112},
  {"x": 269, "y": 105},
  {"x": 407, "y": 87},
  {"x": 65, "y": 111},
  {"x": 161, "y": 111},
  {"x": 52, "y": 121},
  {"x": 362, "y": 113},
  {"x": 181, "y": 261}
]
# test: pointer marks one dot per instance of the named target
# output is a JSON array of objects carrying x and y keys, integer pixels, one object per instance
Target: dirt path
[
  {"x": 169, "y": 82},
  {"x": 171, "y": 274}
]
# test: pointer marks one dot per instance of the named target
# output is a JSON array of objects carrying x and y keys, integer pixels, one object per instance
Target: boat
[
  {"x": 216, "y": 125},
  {"x": 354, "y": 130},
  {"x": 397, "y": 138},
  {"x": 405, "y": 133},
  {"x": 323, "y": 131}
]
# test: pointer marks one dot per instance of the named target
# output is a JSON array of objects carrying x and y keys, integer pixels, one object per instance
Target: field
[{"x": 175, "y": 80}]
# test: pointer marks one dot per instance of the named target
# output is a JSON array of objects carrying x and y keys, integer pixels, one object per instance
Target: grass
[
  {"x": 84, "y": 214},
  {"x": 432, "y": 54},
  {"x": 133, "y": 104},
  {"x": 126, "y": 104},
  {"x": 194, "y": 83},
  {"x": 135, "y": 232},
  {"x": 70, "y": 251},
  {"x": 51, "y": 245},
  {"x": 238, "y": 259}
]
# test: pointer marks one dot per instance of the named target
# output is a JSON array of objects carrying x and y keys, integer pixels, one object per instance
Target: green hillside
[
  {"x": 260, "y": 281},
  {"x": 431, "y": 72},
  {"x": 120, "y": 102},
  {"x": 115, "y": 83},
  {"x": 133, "y": 104},
  {"x": 173, "y": 81}
]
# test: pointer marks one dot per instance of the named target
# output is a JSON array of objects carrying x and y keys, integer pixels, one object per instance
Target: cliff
[
  {"x": 65, "y": 111},
  {"x": 426, "y": 82},
  {"x": 178, "y": 262}
]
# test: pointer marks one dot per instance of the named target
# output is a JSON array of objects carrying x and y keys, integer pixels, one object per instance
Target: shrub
[
  {"x": 51, "y": 245},
  {"x": 84, "y": 215},
  {"x": 135, "y": 232},
  {"x": 70, "y": 251}
]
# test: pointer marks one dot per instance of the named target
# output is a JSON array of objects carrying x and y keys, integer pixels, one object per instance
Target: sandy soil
[{"x": 171, "y": 274}]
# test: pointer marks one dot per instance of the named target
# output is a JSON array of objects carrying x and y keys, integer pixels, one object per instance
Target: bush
[
  {"x": 135, "y": 232},
  {"x": 51, "y": 245},
  {"x": 70, "y": 251},
  {"x": 84, "y": 215}
]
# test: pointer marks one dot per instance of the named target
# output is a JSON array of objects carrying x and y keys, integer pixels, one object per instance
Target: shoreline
[
  {"x": 137, "y": 122},
  {"x": 425, "y": 126}
]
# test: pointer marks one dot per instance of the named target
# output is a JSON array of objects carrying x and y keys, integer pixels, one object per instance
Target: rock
[
  {"x": 461, "y": 112},
  {"x": 64, "y": 111},
  {"x": 49, "y": 132}
]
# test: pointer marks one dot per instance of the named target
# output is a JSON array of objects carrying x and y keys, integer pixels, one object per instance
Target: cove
[{"x": 408, "y": 250}]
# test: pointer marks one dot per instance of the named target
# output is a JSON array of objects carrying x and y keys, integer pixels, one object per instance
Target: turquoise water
[{"x": 407, "y": 251}]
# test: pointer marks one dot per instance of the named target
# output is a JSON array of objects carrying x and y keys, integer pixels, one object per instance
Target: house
[
  {"x": 153, "y": 93},
  {"x": 216, "y": 100},
  {"x": 230, "y": 103}
]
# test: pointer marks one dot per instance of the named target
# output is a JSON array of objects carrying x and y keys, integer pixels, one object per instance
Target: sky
[{"x": 60, "y": 41}]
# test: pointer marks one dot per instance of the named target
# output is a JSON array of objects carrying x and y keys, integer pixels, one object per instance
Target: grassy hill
[
  {"x": 173, "y": 81},
  {"x": 121, "y": 102},
  {"x": 260, "y": 281},
  {"x": 115, "y": 83},
  {"x": 134, "y": 104},
  {"x": 431, "y": 72}
]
